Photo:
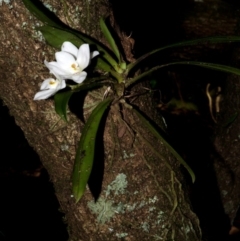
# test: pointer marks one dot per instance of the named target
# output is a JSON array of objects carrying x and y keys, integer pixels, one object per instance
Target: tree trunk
[{"x": 140, "y": 189}]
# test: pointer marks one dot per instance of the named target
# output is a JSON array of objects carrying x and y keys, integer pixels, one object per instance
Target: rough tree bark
[{"x": 141, "y": 195}]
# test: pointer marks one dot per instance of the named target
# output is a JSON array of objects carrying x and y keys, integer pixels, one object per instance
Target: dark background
[{"x": 29, "y": 209}]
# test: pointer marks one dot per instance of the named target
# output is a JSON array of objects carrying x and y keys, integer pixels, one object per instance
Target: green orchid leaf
[
  {"x": 153, "y": 130},
  {"x": 123, "y": 65},
  {"x": 42, "y": 13},
  {"x": 144, "y": 74},
  {"x": 109, "y": 38},
  {"x": 61, "y": 99},
  {"x": 219, "y": 67},
  {"x": 208, "y": 40},
  {"x": 103, "y": 65},
  {"x": 61, "y": 103},
  {"x": 55, "y": 36},
  {"x": 86, "y": 149}
]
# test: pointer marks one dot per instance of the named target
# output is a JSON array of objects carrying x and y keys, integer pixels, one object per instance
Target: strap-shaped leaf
[
  {"x": 55, "y": 36},
  {"x": 61, "y": 103},
  {"x": 153, "y": 130},
  {"x": 61, "y": 99},
  {"x": 219, "y": 67},
  {"x": 86, "y": 149},
  {"x": 103, "y": 65},
  {"x": 42, "y": 13},
  {"x": 109, "y": 38},
  {"x": 208, "y": 40}
]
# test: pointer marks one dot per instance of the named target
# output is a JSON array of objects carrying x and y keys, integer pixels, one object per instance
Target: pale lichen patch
[
  {"x": 106, "y": 207},
  {"x": 121, "y": 235},
  {"x": 118, "y": 186},
  {"x": 103, "y": 208},
  {"x": 50, "y": 7},
  {"x": 127, "y": 156},
  {"x": 145, "y": 226},
  {"x": 5, "y": 1},
  {"x": 160, "y": 217}
]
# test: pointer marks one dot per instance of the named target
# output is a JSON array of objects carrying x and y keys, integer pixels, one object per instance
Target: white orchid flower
[
  {"x": 71, "y": 62},
  {"x": 72, "y": 49},
  {"x": 49, "y": 87}
]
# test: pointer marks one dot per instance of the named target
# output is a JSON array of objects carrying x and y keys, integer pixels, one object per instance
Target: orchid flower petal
[
  {"x": 68, "y": 63},
  {"x": 83, "y": 56},
  {"x": 64, "y": 59},
  {"x": 44, "y": 94},
  {"x": 70, "y": 48},
  {"x": 62, "y": 84},
  {"x": 79, "y": 78},
  {"x": 55, "y": 69},
  {"x": 45, "y": 84},
  {"x": 94, "y": 54}
]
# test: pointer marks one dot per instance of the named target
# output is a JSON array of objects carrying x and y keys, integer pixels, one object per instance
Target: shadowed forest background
[{"x": 29, "y": 209}]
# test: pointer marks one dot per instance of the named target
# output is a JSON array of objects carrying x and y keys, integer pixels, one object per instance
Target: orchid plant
[{"x": 75, "y": 56}]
